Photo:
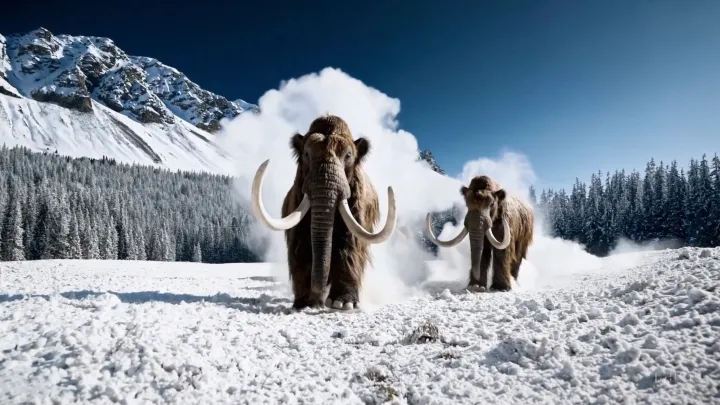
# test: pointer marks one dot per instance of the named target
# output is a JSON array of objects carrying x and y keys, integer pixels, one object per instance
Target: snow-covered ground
[{"x": 183, "y": 333}]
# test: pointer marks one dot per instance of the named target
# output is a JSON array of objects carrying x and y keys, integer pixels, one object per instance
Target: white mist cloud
[{"x": 399, "y": 264}]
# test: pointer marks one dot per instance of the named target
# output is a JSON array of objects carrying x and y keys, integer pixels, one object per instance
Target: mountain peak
[
  {"x": 75, "y": 71},
  {"x": 40, "y": 32},
  {"x": 427, "y": 156}
]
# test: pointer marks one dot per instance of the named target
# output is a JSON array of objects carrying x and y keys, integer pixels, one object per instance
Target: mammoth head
[
  {"x": 318, "y": 155},
  {"x": 329, "y": 166},
  {"x": 483, "y": 196},
  {"x": 482, "y": 199}
]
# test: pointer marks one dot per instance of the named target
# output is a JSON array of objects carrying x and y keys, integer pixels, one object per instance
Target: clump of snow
[{"x": 188, "y": 333}]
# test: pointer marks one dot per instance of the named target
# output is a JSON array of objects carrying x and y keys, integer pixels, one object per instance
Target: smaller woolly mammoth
[
  {"x": 492, "y": 213},
  {"x": 329, "y": 214}
]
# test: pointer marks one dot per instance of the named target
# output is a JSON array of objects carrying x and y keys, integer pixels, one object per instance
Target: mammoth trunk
[
  {"x": 321, "y": 229},
  {"x": 476, "y": 229},
  {"x": 325, "y": 194}
]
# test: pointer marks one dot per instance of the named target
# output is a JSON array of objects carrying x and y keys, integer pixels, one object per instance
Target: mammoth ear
[
  {"x": 463, "y": 190},
  {"x": 297, "y": 142},
  {"x": 500, "y": 194},
  {"x": 363, "y": 147}
]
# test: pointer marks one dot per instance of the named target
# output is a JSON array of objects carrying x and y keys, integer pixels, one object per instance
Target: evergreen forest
[
  {"x": 666, "y": 203},
  {"x": 57, "y": 207}
]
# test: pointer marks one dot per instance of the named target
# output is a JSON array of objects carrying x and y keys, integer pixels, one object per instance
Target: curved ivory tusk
[
  {"x": 361, "y": 232},
  {"x": 262, "y": 215},
  {"x": 506, "y": 236},
  {"x": 450, "y": 243}
]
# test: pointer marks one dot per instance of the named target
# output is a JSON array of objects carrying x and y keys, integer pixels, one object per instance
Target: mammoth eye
[{"x": 348, "y": 155}]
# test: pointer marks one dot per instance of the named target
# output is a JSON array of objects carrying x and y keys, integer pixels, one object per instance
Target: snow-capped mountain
[
  {"x": 72, "y": 70},
  {"x": 65, "y": 93}
]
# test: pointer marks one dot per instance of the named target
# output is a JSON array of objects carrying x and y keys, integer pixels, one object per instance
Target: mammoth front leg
[
  {"x": 515, "y": 268},
  {"x": 501, "y": 270},
  {"x": 478, "y": 277},
  {"x": 300, "y": 276},
  {"x": 300, "y": 267},
  {"x": 346, "y": 273}
]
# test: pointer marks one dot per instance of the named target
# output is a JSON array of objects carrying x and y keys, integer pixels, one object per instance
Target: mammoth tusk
[
  {"x": 506, "y": 236},
  {"x": 361, "y": 232},
  {"x": 262, "y": 215},
  {"x": 450, "y": 243}
]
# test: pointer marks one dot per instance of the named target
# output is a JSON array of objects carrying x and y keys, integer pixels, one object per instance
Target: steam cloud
[{"x": 399, "y": 265}]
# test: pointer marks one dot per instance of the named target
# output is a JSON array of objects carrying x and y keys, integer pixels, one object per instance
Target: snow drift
[{"x": 399, "y": 265}]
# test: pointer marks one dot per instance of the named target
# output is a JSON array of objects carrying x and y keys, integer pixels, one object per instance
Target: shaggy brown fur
[
  {"x": 483, "y": 193},
  {"x": 350, "y": 255}
]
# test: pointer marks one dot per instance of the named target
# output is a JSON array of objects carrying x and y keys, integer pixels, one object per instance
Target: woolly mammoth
[
  {"x": 492, "y": 213},
  {"x": 328, "y": 215}
]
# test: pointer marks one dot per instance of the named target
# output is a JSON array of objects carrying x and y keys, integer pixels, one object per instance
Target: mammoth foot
[
  {"x": 344, "y": 298},
  {"x": 500, "y": 288},
  {"x": 302, "y": 303},
  {"x": 345, "y": 305},
  {"x": 476, "y": 288}
]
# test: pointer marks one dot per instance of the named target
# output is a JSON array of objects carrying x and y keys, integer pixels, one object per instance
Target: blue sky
[{"x": 577, "y": 86}]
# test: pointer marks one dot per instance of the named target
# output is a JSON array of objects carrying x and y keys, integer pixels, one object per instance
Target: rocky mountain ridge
[{"x": 71, "y": 71}]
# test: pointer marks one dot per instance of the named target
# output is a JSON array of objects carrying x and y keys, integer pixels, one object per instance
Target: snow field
[{"x": 185, "y": 333}]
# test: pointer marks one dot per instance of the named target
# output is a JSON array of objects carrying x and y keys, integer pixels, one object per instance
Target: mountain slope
[
  {"x": 84, "y": 96},
  {"x": 102, "y": 132}
]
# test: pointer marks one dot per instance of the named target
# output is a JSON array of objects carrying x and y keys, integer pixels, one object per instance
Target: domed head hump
[{"x": 483, "y": 193}]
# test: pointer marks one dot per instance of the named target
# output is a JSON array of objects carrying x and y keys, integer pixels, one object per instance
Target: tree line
[
  {"x": 666, "y": 203},
  {"x": 57, "y": 207}
]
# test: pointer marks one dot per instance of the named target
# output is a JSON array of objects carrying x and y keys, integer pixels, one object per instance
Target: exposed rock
[
  {"x": 7, "y": 92},
  {"x": 4, "y": 60},
  {"x": 125, "y": 90},
  {"x": 185, "y": 98},
  {"x": 427, "y": 156},
  {"x": 67, "y": 90}
]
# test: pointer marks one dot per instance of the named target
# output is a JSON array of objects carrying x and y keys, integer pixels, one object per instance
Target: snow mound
[{"x": 183, "y": 333}]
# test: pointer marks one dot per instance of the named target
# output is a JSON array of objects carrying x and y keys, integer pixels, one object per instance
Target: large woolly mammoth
[
  {"x": 328, "y": 215},
  {"x": 492, "y": 213}
]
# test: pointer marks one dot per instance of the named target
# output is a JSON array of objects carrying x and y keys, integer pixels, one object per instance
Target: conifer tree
[
  {"x": 12, "y": 232},
  {"x": 74, "y": 247}
]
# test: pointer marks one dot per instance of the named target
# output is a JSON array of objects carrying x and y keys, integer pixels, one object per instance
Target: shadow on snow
[{"x": 262, "y": 304}]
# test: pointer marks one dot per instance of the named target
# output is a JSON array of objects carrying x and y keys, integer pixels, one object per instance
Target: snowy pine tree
[
  {"x": 58, "y": 231},
  {"x": 197, "y": 253},
  {"x": 12, "y": 231},
  {"x": 666, "y": 204},
  {"x": 75, "y": 249}
]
